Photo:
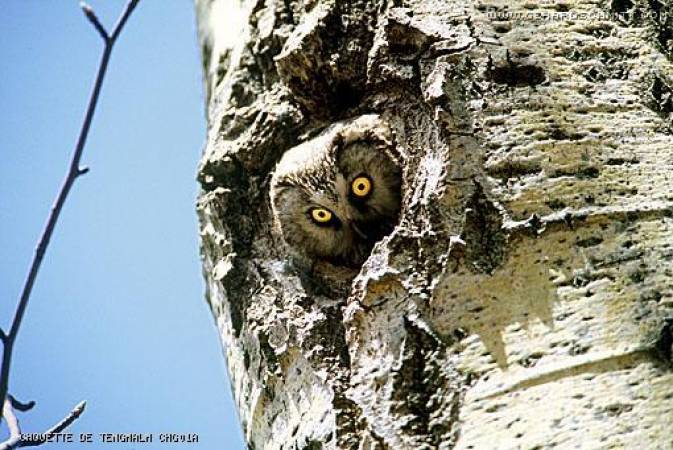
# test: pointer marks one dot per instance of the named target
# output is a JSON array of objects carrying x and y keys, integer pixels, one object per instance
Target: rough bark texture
[{"x": 524, "y": 300}]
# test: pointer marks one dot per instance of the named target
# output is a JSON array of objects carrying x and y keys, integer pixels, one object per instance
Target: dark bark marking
[
  {"x": 664, "y": 343},
  {"x": 325, "y": 68},
  {"x": 515, "y": 70},
  {"x": 482, "y": 232},
  {"x": 422, "y": 389},
  {"x": 661, "y": 97}
]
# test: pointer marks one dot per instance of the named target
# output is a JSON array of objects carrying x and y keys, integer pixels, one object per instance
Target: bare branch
[
  {"x": 91, "y": 15},
  {"x": 20, "y": 406},
  {"x": 37, "y": 439},
  {"x": 70, "y": 418},
  {"x": 73, "y": 172},
  {"x": 59, "y": 427},
  {"x": 131, "y": 5},
  {"x": 13, "y": 425},
  {"x": 3, "y": 336}
]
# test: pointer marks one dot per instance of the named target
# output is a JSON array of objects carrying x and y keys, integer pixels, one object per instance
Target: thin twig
[
  {"x": 130, "y": 6},
  {"x": 15, "y": 437},
  {"x": 20, "y": 406},
  {"x": 88, "y": 12},
  {"x": 13, "y": 425},
  {"x": 70, "y": 418},
  {"x": 59, "y": 427},
  {"x": 74, "y": 172}
]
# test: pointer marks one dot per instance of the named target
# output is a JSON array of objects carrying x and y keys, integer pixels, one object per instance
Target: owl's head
[{"x": 334, "y": 196}]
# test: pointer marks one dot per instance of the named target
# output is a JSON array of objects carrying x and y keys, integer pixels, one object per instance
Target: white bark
[{"x": 524, "y": 300}]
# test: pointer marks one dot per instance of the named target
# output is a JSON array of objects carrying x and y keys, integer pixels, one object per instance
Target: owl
[{"x": 334, "y": 196}]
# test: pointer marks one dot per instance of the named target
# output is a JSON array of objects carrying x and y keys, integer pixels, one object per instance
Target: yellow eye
[
  {"x": 361, "y": 186},
  {"x": 321, "y": 215}
]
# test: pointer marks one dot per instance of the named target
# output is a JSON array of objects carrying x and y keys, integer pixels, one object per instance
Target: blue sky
[{"x": 118, "y": 316}]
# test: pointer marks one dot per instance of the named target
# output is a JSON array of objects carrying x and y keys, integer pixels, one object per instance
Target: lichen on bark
[{"x": 524, "y": 299}]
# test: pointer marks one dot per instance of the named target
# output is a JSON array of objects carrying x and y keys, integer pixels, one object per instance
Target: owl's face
[{"x": 335, "y": 201}]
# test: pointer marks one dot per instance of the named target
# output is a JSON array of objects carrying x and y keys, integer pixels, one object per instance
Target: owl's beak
[{"x": 358, "y": 231}]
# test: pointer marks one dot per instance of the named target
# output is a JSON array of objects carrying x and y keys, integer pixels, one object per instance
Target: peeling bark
[{"x": 524, "y": 299}]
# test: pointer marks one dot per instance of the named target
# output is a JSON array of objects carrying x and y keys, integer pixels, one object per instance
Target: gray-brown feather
[{"x": 319, "y": 173}]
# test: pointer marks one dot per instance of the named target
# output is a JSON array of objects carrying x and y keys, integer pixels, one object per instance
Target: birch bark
[{"x": 524, "y": 300}]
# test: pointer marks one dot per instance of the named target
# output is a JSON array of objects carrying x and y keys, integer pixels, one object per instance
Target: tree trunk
[{"x": 524, "y": 299}]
